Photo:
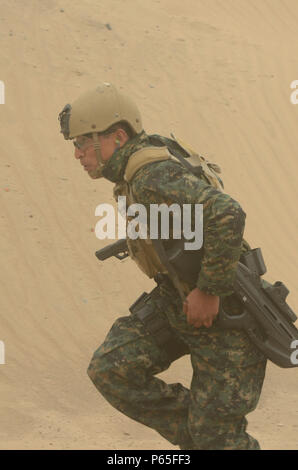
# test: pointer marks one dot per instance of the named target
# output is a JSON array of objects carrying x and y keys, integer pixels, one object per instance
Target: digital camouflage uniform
[{"x": 228, "y": 371}]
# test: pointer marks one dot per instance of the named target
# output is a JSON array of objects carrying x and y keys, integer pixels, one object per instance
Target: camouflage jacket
[{"x": 223, "y": 219}]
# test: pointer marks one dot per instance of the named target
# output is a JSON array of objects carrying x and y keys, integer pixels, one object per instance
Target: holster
[{"x": 158, "y": 326}]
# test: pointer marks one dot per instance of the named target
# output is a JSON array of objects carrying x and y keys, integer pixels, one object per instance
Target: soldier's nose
[{"x": 78, "y": 153}]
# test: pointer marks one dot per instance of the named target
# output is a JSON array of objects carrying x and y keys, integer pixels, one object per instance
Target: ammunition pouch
[{"x": 158, "y": 326}]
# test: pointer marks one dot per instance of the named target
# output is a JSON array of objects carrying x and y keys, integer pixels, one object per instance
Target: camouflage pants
[{"x": 228, "y": 375}]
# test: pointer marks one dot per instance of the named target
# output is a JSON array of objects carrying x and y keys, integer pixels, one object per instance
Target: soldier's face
[{"x": 85, "y": 152}]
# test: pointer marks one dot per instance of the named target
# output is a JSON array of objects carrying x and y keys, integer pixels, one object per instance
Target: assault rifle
[{"x": 265, "y": 315}]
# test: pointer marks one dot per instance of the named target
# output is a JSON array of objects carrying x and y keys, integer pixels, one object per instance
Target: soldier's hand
[{"x": 200, "y": 308}]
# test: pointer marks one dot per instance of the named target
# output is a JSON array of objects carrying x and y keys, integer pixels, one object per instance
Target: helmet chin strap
[{"x": 97, "y": 173}]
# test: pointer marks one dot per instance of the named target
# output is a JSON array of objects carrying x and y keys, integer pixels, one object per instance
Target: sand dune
[{"x": 215, "y": 72}]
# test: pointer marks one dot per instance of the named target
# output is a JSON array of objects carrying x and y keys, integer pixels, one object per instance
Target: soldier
[{"x": 228, "y": 370}]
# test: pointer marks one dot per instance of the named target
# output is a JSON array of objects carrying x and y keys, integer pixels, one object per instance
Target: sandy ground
[{"x": 215, "y": 72}]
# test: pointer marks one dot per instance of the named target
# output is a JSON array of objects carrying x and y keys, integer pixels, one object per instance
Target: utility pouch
[{"x": 158, "y": 326}]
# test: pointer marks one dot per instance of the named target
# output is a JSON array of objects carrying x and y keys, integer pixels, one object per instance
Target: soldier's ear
[{"x": 121, "y": 137}]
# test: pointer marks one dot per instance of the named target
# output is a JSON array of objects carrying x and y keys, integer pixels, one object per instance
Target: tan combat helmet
[{"x": 94, "y": 112}]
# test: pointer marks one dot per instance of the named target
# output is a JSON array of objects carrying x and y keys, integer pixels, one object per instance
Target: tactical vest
[{"x": 142, "y": 250}]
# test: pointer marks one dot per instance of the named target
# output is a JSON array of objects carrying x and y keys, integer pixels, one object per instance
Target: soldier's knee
[
  {"x": 91, "y": 372},
  {"x": 98, "y": 372}
]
